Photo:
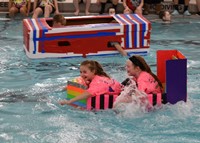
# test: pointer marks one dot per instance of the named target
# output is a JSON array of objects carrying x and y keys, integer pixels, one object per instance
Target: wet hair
[
  {"x": 96, "y": 67},
  {"x": 141, "y": 63},
  {"x": 162, "y": 15},
  {"x": 58, "y": 18}
]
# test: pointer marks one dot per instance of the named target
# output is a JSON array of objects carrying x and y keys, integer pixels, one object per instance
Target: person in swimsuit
[
  {"x": 45, "y": 7},
  {"x": 22, "y": 6},
  {"x": 98, "y": 82},
  {"x": 133, "y": 6}
]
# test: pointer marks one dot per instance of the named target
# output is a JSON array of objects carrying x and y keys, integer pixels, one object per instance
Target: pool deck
[{"x": 66, "y": 7}]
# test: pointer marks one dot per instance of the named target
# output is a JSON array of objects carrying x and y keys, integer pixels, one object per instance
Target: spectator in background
[
  {"x": 22, "y": 6},
  {"x": 103, "y": 4},
  {"x": 157, "y": 4},
  {"x": 133, "y": 6},
  {"x": 198, "y": 7},
  {"x": 87, "y": 7},
  {"x": 45, "y": 7},
  {"x": 177, "y": 2},
  {"x": 112, "y": 11}
]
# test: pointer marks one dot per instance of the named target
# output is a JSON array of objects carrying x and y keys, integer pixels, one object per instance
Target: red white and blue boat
[{"x": 86, "y": 36}]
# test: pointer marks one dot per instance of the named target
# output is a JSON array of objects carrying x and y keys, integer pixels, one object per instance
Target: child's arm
[
  {"x": 85, "y": 95},
  {"x": 139, "y": 8},
  {"x": 120, "y": 49},
  {"x": 141, "y": 4}
]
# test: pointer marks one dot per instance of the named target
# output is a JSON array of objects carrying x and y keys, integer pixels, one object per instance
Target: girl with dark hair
[
  {"x": 97, "y": 80},
  {"x": 141, "y": 83},
  {"x": 145, "y": 79}
]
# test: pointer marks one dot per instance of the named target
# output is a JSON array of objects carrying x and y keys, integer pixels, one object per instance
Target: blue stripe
[
  {"x": 34, "y": 36},
  {"x": 143, "y": 28},
  {"x": 135, "y": 30},
  {"x": 44, "y": 29},
  {"x": 98, "y": 34},
  {"x": 127, "y": 31}
]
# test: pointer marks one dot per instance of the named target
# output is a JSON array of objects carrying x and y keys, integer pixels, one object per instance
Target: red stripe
[
  {"x": 88, "y": 106},
  {"x": 106, "y": 102},
  {"x": 97, "y": 104}
]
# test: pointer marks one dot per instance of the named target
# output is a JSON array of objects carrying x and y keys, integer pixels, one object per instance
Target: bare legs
[
  {"x": 87, "y": 7},
  {"x": 13, "y": 10},
  {"x": 38, "y": 11}
]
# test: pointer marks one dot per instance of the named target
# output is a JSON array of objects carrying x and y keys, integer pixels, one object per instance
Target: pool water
[{"x": 30, "y": 91}]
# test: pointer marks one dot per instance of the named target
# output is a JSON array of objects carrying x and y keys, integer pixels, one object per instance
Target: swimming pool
[{"x": 30, "y": 90}]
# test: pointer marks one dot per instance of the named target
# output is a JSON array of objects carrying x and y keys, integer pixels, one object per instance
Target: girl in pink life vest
[
  {"x": 97, "y": 80},
  {"x": 142, "y": 80}
]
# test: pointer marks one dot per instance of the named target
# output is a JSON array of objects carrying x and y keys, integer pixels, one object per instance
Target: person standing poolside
[
  {"x": 104, "y": 2},
  {"x": 87, "y": 6},
  {"x": 133, "y": 6},
  {"x": 185, "y": 2},
  {"x": 45, "y": 7},
  {"x": 22, "y": 6},
  {"x": 97, "y": 80},
  {"x": 198, "y": 7}
]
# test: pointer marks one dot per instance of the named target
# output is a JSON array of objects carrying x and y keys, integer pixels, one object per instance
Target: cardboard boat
[
  {"x": 171, "y": 70},
  {"x": 86, "y": 36}
]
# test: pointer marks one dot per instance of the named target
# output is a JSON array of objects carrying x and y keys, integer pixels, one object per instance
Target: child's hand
[
  {"x": 63, "y": 102},
  {"x": 127, "y": 10}
]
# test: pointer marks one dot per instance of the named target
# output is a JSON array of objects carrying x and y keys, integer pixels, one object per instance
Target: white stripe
[
  {"x": 121, "y": 24},
  {"x": 137, "y": 32},
  {"x": 81, "y": 28},
  {"x": 147, "y": 29},
  {"x": 122, "y": 44},
  {"x": 37, "y": 33},
  {"x": 30, "y": 35},
  {"x": 129, "y": 32}
]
